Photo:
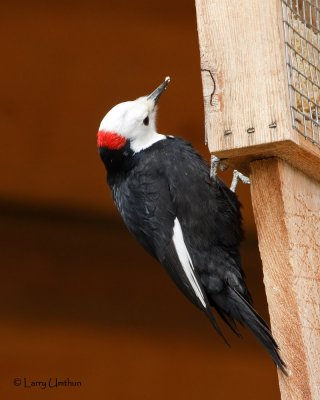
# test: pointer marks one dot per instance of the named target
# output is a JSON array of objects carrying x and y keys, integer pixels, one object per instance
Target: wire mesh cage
[{"x": 301, "y": 20}]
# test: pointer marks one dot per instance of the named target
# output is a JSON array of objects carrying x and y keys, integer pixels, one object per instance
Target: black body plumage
[{"x": 169, "y": 181}]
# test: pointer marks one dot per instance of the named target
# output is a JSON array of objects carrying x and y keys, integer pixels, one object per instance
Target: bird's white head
[{"x": 132, "y": 121}]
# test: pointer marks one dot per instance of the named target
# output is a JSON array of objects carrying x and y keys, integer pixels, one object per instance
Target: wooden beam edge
[{"x": 301, "y": 154}]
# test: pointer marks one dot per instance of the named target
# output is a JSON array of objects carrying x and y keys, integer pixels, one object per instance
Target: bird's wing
[
  {"x": 179, "y": 265},
  {"x": 177, "y": 262},
  {"x": 148, "y": 210}
]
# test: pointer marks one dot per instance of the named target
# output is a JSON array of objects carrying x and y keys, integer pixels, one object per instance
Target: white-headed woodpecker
[{"x": 188, "y": 221}]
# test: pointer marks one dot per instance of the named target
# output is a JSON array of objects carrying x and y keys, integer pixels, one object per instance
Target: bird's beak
[{"x": 155, "y": 95}]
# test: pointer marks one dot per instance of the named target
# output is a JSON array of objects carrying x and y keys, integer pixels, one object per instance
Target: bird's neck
[{"x": 144, "y": 141}]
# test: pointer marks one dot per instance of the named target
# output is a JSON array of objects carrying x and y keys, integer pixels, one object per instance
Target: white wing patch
[{"x": 185, "y": 260}]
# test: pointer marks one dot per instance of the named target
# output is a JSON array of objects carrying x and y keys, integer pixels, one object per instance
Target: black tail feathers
[
  {"x": 215, "y": 324},
  {"x": 240, "y": 310},
  {"x": 250, "y": 318}
]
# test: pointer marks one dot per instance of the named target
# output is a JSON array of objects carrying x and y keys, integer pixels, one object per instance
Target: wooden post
[
  {"x": 248, "y": 124},
  {"x": 286, "y": 206}
]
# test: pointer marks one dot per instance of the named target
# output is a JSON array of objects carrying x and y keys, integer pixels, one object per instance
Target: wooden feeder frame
[{"x": 252, "y": 123}]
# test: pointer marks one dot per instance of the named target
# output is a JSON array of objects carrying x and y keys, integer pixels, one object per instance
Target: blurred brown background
[{"x": 79, "y": 299}]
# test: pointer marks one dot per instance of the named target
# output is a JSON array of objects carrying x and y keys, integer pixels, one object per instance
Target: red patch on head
[{"x": 111, "y": 140}]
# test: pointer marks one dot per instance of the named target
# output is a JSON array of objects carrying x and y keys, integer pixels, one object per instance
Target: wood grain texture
[
  {"x": 245, "y": 86},
  {"x": 241, "y": 47},
  {"x": 286, "y": 206}
]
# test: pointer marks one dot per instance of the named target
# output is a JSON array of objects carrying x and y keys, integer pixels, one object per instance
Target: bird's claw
[
  {"x": 238, "y": 176},
  {"x": 215, "y": 164}
]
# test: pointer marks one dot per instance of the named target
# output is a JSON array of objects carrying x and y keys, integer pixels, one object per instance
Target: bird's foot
[
  {"x": 238, "y": 176},
  {"x": 215, "y": 164}
]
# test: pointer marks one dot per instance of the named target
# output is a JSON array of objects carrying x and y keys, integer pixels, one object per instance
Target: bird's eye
[{"x": 146, "y": 120}]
